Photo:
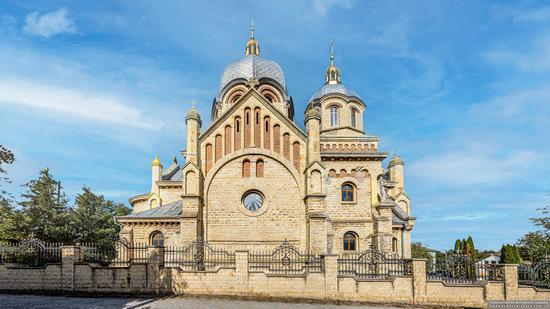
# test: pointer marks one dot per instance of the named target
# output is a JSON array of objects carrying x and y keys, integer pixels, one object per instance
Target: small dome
[
  {"x": 334, "y": 88},
  {"x": 396, "y": 160},
  {"x": 252, "y": 66}
]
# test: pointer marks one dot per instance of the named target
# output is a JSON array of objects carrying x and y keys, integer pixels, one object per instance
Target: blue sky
[{"x": 460, "y": 89}]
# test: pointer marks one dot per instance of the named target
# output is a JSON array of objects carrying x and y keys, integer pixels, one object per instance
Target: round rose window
[{"x": 253, "y": 201}]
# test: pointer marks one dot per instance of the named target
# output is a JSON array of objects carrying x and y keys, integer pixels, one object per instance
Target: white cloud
[
  {"x": 71, "y": 102},
  {"x": 535, "y": 59},
  {"x": 49, "y": 24},
  {"x": 538, "y": 15},
  {"x": 322, "y": 7}
]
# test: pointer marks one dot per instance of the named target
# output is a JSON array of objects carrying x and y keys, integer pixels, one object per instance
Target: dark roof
[{"x": 166, "y": 211}]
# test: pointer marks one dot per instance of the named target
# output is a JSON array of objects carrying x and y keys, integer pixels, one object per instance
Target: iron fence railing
[
  {"x": 198, "y": 256},
  {"x": 30, "y": 253},
  {"x": 119, "y": 252},
  {"x": 373, "y": 264},
  {"x": 285, "y": 260},
  {"x": 536, "y": 274},
  {"x": 460, "y": 268}
]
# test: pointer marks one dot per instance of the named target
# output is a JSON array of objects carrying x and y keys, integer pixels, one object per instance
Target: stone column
[
  {"x": 69, "y": 256},
  {"x": 154, "y": 261},
  {"x": 419, "y": 281},
  {"x": 510, "y": 281},
  {"x": 241, "y": 272},
  {"x": 331, "y": 276}
]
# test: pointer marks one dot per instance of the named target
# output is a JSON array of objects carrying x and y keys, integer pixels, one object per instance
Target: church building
[{"x": 252, "y": 178}]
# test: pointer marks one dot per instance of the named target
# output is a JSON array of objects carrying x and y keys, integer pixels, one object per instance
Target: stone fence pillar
[
  {"x": 70, "y": 255},
  {"x": 419, "y": 281},
  {"x": 154, "y": 261},
  {"x": 331, "y": 276},
  {"x": 241, "y": 272},
  {"x": 510, "y": 281}
]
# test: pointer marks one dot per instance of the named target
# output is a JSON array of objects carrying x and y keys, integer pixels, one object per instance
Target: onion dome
[
  {"x": 156, "y": 162},
  {"x": 333, "y": 84},
  {"x": 252, "y": 66}
]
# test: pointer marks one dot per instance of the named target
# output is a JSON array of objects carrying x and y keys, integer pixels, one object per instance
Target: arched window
[
  {"x": 260, "y": 168},
  {"x": 246, "y": 168},
  {"x": 157, "y": 239},
  {"x": 350, "y": 241},
  {"x": 334, "y": 116},
  {"x": 354, "y": 117},
  {"x": 394, "y": 245},
  {"x": 348, "y": 192}
]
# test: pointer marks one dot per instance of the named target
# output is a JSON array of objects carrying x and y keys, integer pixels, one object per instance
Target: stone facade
[{"x": 253, "y": 178}]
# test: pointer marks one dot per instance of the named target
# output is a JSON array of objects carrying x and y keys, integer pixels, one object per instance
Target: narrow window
[
  {"x": 394, "y": 244},
  {"x": 347, "y": 192},
  {"x": 157, "y": 239},
  {"x": 247, "y": 129},
  {"x": 296, "y": 155},
  {"x": 260, "y": 168},
  {"x": 246, "y": 168},
  {"x": 286, "y": 146},
  {"x": 350, "y": 241},
  {"x": 208, "y": 158},
  {"x": 257, "y": 129},
  {"x": 334, "y": 116},
  {"x": 267, "y": 134},
  {"x": 354, "y": 118},
  {"x": 237, "y": 134},
  {"x": 218, "y": 148},
  {"x": 277, "y": 138},
  {"x": 227, "y": 145}
]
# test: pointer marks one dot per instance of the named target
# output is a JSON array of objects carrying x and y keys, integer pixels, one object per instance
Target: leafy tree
[
  {"x": 8, "y": 214},
  {"x": 473, "y": 252},
  {"x": 44, "y": 211},
  {"x": 534, "y": 246},
  {"x": 419, "y": 251},
  {"x": 93, "y": 218}
]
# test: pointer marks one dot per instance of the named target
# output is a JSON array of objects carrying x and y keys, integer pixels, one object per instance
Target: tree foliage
[
  {"x": 536, "y": 245},
  {"x": 509, "y": 254},
  {"x": 44, "y": 213},
  {"x": 93, "y": 218},
  {"x": 419, "y": 251}
]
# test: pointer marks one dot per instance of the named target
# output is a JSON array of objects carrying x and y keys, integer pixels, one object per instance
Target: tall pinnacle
[
  {"x": 252, "y": 46},
  {"x": 332, "y": 75}
]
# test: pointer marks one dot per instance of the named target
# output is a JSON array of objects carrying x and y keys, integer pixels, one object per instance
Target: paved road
[{"x": 59, "y": 302}]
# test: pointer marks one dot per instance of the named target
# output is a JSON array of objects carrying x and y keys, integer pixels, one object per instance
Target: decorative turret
[
  {"x": 252, "y": 46},
  {"x": 156, "y": 173},
  {"x": 333, "y": 73},
  {"x": 193, "y": 122},
  {"x": 396, "y": 173},
  {"x": 313, "y": 126}
]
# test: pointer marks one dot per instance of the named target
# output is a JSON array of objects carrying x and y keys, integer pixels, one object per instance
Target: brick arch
[{"x": 254, "y": 151}]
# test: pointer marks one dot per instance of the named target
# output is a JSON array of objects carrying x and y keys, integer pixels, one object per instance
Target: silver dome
[
  {"x": 334, "y": 88},
  {"x": 252, "y": 66}
]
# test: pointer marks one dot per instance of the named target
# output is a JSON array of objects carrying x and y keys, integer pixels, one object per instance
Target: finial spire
[
  {"x": 252, "y": 46},
  {"x": 333, "y": 73},
  {"x": 331, "y": 51}
]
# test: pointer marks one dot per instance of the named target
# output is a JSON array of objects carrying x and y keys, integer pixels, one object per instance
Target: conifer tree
[
  {"x": 473, "y": 252},
  {"x": 93, "y": 218},
  {"x": 8, "y": 214},
  {"x": 44, "y": 211},
  {"x": 503, "y": 254},
  {"x": 458, "y": 245}
]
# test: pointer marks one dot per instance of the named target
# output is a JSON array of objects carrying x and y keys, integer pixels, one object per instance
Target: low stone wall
[{"x": 151, "y": 277}]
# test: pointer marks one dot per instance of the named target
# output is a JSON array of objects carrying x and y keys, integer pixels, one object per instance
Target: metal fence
[
  {"x": 285, "y": 260},
  {"x": 30, "y": 253},
  {"x": 198, "y": 256},
  {"x": 537, "y": 274},
  {"x": 373, "y": 264},
  {"x": 460, "y": 268},
  {"x": 119, "y": 252}
]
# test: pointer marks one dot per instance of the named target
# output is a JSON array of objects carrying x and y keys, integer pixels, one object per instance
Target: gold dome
[{"x": 156, "y": 162}]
